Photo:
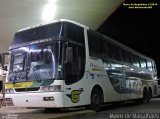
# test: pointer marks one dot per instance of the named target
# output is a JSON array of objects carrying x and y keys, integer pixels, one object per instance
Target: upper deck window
[
  {"x": 75, "y": 33},
  {"x": 39, "y": 33}
]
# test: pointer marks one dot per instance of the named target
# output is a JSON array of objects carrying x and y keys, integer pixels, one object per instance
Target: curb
[
  {"x": 23, "y": 113},
  {"x": 73, "y": 115}
]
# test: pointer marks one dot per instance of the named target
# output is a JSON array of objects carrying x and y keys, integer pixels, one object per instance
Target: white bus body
[{"x": 79, "y": 73}]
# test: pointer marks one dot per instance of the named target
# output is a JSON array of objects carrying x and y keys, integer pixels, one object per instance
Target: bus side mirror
[
  {"x": 1, "y": 85},
  {"x": 5, "y": 68},
  {"x": 3, "y": 60},
  {"x": 69, "y": 54}
]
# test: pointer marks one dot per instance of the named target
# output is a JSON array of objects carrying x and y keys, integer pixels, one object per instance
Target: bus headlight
[
  {"x": 57, "y": 88},
  {"x": 9, "y": 90},
  {"x": 47, "y": 88}
]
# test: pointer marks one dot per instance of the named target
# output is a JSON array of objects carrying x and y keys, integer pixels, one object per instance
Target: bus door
[{"x": 74, "y": 67}]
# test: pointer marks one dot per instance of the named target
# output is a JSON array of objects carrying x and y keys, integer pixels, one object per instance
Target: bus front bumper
[{"x": 45, "y": 99}]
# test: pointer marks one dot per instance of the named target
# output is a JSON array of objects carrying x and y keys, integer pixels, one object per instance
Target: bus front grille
[{"x": 27, "y": 89}]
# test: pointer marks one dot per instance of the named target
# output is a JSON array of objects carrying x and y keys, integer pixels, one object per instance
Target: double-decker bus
[{"x": 66, "y": 64}]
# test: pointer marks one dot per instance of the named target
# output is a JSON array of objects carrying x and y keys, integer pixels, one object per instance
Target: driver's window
[{"x": 19, "y": 62}]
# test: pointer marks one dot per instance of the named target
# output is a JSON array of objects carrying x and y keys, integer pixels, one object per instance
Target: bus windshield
[
  {"x": 35, "y": 62},
  {"x": 42, "y": 62}
]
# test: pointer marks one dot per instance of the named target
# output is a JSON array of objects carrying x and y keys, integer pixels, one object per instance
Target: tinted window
[
  {"x": 126, "y": 57},
  {"x": 74, "y": 70},
  {"x": 94, "y": 44},
  {"x": 135, "y": 60},
  {"x": 115, "y": 52},
  {"x": 19, "y": 62},
  {"x": 39, "y": 33},
  {"x": 99, "y": 47},
  {"x": 75, "y": 33},
  {"x": 143, "y": 63},
  {"x": 149, "y": 65}
]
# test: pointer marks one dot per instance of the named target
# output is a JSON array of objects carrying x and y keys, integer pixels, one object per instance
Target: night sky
[{"x": 137, "y": 28}]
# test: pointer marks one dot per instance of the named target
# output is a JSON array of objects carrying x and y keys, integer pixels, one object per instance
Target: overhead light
[
  {"x": 52, "y": 1},
  {"x": 49, "y": 11}
]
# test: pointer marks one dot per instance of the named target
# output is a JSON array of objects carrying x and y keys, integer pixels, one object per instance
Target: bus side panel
[{"x": 99, "y": 76}]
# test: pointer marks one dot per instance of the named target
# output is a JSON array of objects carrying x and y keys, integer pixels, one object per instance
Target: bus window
[
  {"x": 149, "y": 65},
  {"x": 135, "y": 60},
  {"x": 94, "y": 44},
  {"x": 99, "y": 47},
  {"x": 115, "y": 51},
  {"x": 19, "y": 62},
  {"x": 38, "y": 33},
  {"x": 74, "y": 70},
  {"x": 143, "y": 63},
  {"x": 154, "y": 66},
  {"x": 75, "y": 33},
  {"x": 102, "y": 49}
]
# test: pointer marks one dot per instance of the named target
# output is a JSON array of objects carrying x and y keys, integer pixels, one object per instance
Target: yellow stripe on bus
[{"x": 19, "y": 85}]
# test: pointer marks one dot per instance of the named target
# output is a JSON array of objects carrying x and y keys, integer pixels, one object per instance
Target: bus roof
[{"x": 55, "y": 21}]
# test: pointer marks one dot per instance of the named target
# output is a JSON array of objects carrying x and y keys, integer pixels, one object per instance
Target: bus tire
[
  {"x": 145, "y": 96},
  {"x": 96, "y": 99},
  {"x": 149, "y": 95},
  {"x": 143, "y": 99},
  {"x": 52, "y": 109}
]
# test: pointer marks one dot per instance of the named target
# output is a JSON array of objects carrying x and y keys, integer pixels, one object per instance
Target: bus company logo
[
  {"x": 75, "y": 95},
  {"x": 95, "y": 67}
]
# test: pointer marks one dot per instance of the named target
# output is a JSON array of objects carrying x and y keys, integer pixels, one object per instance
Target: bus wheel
[
  {"x": 149, "y": 95},
  {"x": 96, "y": 99},
  {"x": 52, "y": 109},
  {"x": 145, "y": 96},
  {"x": 143, "y": 99}
]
